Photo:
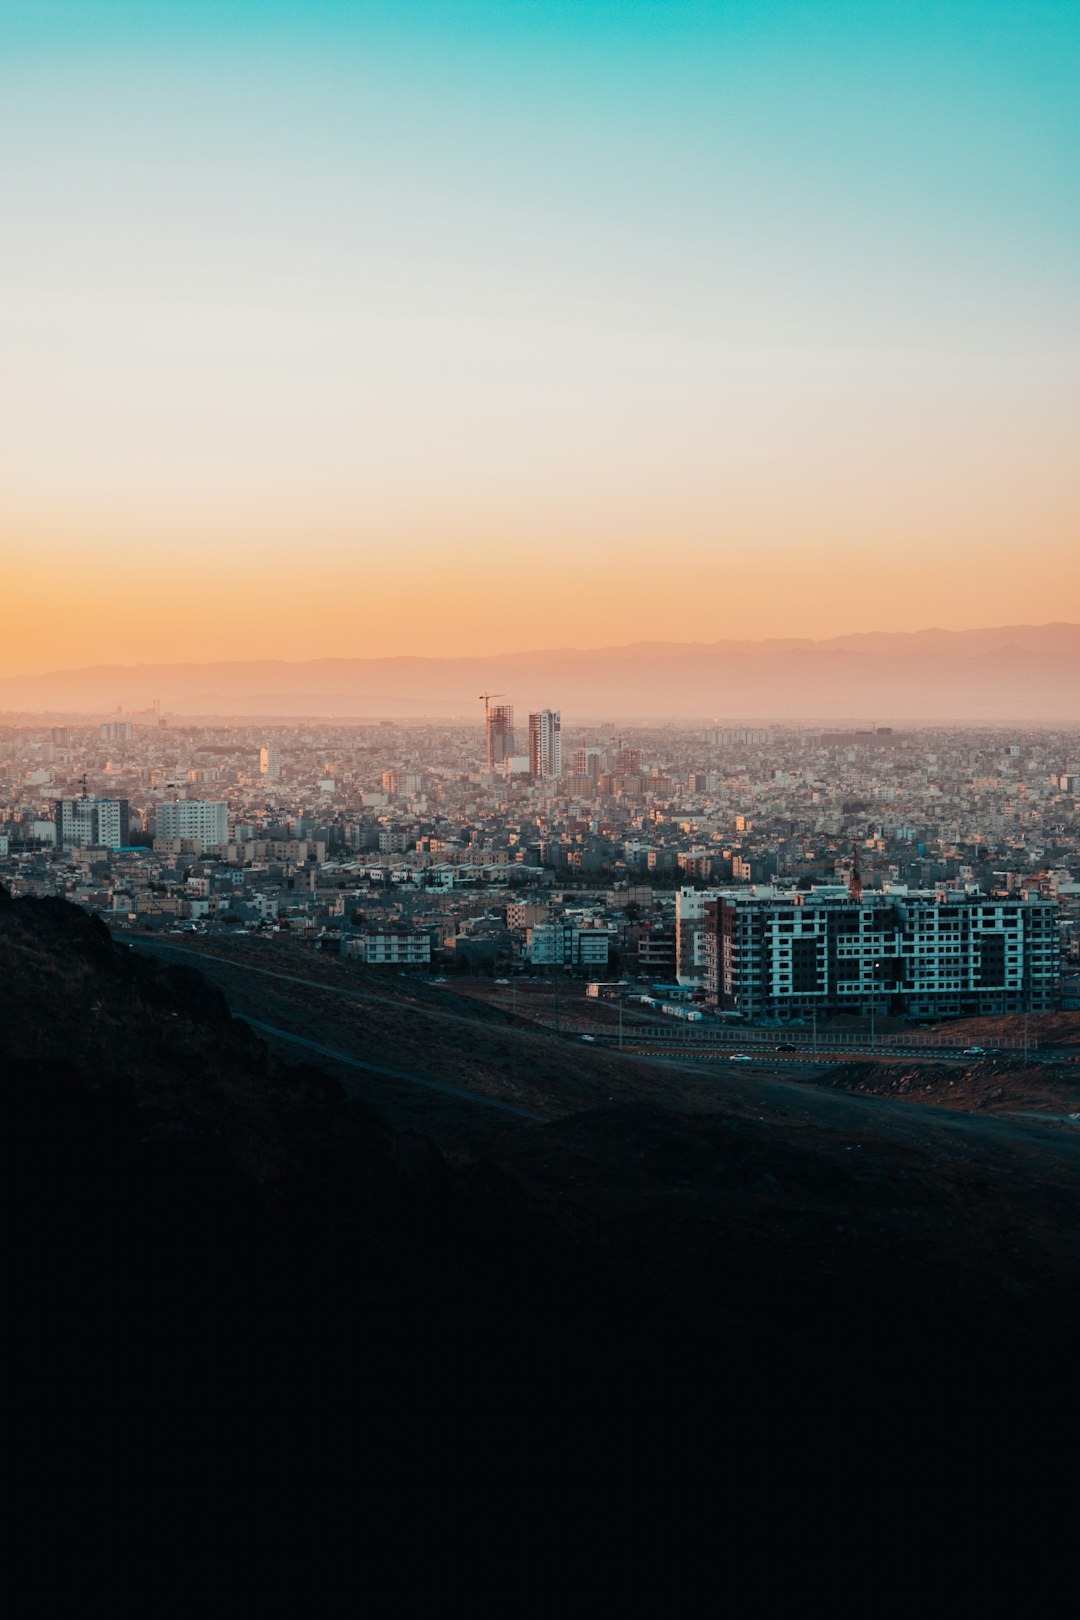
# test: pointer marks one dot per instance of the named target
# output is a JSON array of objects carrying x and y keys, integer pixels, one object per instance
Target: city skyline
[{"x": 327, "y": 327}]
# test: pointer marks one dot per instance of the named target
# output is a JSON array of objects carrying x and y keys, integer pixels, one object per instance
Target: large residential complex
[
  {"x": 775, "y": 953},
  {"x": 202, "y": 819}
]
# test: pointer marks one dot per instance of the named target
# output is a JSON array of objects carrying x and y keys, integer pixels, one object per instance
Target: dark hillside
[{"x": 240, "y": 1299}]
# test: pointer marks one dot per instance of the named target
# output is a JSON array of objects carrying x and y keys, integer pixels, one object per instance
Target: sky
[{"x": 465, "y": 326}]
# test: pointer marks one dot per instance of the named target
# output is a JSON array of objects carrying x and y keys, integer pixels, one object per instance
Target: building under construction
[{"x": 499, "y": 732}]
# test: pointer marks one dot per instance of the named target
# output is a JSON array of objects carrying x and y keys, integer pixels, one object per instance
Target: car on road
[
  {"x": 502, "y": 981},
  {"x": 588, "y": 1037},
  {"x": 739, "y": 1057},
  {"x": 786, "y": 1046},
  {"x": 974, "y": 1051}
]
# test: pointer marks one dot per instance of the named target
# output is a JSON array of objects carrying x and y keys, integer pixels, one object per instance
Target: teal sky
[{"x": 798, "y": 277}]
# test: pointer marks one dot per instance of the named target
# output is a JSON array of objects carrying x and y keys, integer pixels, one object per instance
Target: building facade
[
  {"x": 204, "y": 819},
  {"x": 690, "y": 955},
  {"x": 563, "y": 944},
  {"x": 926, "y": 953},
  {"x": 545, "y": 743},
  {"x": 91, "y": 823},
  {"x": 392, "y": 947}
]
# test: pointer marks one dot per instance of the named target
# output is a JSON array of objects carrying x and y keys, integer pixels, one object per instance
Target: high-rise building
[
  {"x": 500, "y": 734},
  {"x": 117, "y": 731},
  {"x": 269, "y": 763},
  {"x": 588, "y": 761},
  {"x": 545, "y": 743},
  {"x": 91, "y": 823},
  {"x": 204, "y": 819}
]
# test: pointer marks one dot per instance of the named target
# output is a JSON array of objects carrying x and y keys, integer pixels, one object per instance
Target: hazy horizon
[{"x": 1005, "y": 673}]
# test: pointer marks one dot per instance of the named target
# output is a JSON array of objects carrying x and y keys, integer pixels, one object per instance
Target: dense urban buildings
[{"x": 780, "y": 873}]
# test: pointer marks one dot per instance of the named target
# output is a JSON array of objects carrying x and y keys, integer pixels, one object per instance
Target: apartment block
[
  {"x": 923, "y": 953},
  {"x": 91, "y": 823},
  {"x": 204, "y": 819}
]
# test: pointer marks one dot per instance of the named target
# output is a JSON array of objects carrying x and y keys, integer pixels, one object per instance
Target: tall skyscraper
[
  {"x": 500, "y": 734},
  {"x": 269, "y": 763},
  {"x": 545, "y": 743}
]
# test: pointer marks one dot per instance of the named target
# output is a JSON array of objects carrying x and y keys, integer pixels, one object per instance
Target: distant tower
[
  {"x": 545, "y": 743},
  {"x": 498, "y": 730},
  {"x": 269, "y": 763},
  {"x": 627, "y": 760}
]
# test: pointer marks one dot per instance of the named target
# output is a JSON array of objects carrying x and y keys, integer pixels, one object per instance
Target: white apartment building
[
  {"x": 930, "y": 953},
  {"x": 91, "y": 823},
  {"x": 545, "y": 743},
  {"x": 389, "y": 948},
  {"x": 204, "y": 819},
  {"x": 691, "y": 957}
]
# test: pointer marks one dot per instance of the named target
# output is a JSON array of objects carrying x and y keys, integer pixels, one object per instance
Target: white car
[{"x": 740, "y": 1057}]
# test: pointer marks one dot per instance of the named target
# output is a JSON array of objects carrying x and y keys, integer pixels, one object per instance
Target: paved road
[{"x": 759, "y": 1053}]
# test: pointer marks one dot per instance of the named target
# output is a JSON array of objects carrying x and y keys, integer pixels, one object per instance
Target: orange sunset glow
[{"x": 301, "y": 361}]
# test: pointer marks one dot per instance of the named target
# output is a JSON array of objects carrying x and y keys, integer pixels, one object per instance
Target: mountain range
[{"x": 1008, "y": 673}]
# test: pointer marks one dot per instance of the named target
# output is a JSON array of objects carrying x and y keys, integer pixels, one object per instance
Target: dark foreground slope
[{"x": 246, "y": 1313}]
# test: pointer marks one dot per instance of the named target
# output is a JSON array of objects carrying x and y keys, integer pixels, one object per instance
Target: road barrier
[{"x": 676, "y": 1033}]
